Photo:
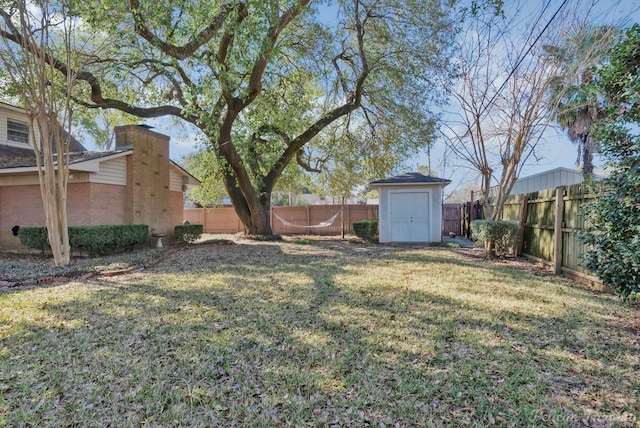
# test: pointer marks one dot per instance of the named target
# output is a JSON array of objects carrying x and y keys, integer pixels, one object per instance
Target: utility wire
[{"x": 513, "y": 70}]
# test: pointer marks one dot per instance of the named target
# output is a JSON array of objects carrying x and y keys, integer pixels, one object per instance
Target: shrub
[
  {"x": 366, "y": 229},
  {"x": 97, "y": 240},
  {"x": 34, "y": 237},
  {"x": 497, "y": 236},
  {"x": 187, "y": 233},
  {"x": 612, "y": 236},
  {"x": 108, "y": 239}
]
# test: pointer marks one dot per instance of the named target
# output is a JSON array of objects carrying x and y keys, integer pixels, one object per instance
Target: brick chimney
[{"x": 147, "y": 177}]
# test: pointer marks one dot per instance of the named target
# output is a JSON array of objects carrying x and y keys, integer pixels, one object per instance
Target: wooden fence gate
[{"x": 452, "y": 219}]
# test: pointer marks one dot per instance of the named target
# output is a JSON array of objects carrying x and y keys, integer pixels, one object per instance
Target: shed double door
[{"x": 409, "y": 216}]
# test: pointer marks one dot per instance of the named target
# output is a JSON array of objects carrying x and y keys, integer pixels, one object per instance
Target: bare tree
[
  {"x": 45, "y": 95},
  {"x": 498, "y": 105}
]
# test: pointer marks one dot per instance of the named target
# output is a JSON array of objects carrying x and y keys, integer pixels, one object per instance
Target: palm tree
[{"x": 573, "y": 105}]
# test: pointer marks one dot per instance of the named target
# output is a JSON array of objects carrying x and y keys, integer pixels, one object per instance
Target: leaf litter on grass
[{"x": 333, "y": 333}]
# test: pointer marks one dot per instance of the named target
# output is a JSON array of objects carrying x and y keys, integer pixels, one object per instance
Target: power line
[{"x": 513, "y": 70}]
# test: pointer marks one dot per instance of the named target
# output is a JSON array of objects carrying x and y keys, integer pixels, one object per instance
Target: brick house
[{"x": 136, "y": 183}]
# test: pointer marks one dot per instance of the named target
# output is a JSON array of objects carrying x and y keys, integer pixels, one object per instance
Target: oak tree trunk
[{"x": 252, "y": 206}]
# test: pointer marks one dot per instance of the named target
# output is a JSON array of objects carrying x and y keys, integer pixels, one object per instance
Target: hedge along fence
[
  {"x": 551, "y": 224},
  {"x": 96, "y": 240}
]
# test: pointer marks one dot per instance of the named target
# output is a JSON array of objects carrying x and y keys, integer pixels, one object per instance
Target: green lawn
[{"x": 321, "y": 334}]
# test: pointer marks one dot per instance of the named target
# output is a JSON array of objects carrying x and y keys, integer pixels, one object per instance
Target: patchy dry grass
[{"x": 320, "y": 334}]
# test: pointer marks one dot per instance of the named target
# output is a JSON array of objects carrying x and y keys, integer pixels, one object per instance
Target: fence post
[
  {"x": 557, "y": 232},
  {"x": 342, "y": 217},
  {"x": 523, "y": 221}
]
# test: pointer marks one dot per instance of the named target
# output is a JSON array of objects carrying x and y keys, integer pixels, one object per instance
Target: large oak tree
[{"x": 262, "y": 78}]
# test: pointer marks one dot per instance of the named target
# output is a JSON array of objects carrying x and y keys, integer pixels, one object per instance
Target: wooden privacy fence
[
  {"x": 286, "y": 220},
  {"x": 552, "y": 222}
]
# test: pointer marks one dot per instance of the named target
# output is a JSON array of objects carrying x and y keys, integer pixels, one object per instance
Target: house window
[{"x": 17, "y": 131}]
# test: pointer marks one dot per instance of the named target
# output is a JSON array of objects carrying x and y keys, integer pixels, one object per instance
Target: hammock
[{"x": 322, "y": 224}]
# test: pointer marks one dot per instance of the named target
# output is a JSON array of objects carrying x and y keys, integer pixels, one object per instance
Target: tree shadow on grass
[{"x": 305, "y": 338}]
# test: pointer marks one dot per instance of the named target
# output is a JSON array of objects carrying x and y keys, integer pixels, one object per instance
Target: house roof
[
  {"x": 191, "y": 179},
  {"x": 411, "y": 178},
  {"x": 12, "y": 163},
  {"x": 27, "y": 151},
  {"x": 75, "y": 145},
  {"x": 15, "y": 159},
  {"x": 79, "y": 161},
  {"x": 11, "y": 154}
]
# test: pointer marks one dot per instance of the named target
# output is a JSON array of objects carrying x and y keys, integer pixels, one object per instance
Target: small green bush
[
  {"x": 496, "y": 236},
  {"x": 366, "y": 229},
  {"x": 96, "y": 240},
  {"x": 188, "y": 233},
  {"x": 34, "y": 237}
]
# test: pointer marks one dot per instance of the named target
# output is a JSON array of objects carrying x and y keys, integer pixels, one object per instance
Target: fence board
[
  {"x": 573, "y": 223},
  {"x": 452, "y": 219},
  {"x": 225, "y": 220},
  {"x": 470, "y": 212},
  {"x": 540, "y": 222}
]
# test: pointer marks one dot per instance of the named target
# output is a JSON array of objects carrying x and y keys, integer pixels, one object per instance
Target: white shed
[{"x": 410, "y": 208}]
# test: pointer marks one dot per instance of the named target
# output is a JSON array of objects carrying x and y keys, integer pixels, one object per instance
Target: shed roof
[{"x": 411, "y": 178}]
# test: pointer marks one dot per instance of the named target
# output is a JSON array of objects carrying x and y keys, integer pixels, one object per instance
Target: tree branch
[
  {"x": 198, "y": 40},
  {"x": 96, "y": 97},
  {"x": 305, "y": 165},
  {"x": 269, "y": 42},
  {"x": 352, "y": 102},
  {"x": 223, "y": 52}
]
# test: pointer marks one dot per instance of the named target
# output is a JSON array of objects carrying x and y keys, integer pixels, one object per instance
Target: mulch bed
[{"x": 29, "y": 269}]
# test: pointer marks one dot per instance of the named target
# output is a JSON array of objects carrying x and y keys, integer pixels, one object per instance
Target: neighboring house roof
[
  {"x": 411, "y": 178},
  {"x": 547, "y": 180}
]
